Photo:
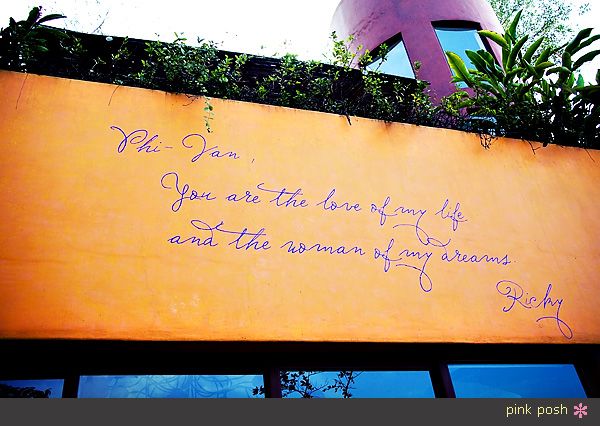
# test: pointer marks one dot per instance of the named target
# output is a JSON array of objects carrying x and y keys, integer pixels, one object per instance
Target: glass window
[
  {"x": 48, "y": 388},
  {"x": 396, "y": 63},
  {"x": 458, "y": 40},
  {"x": 205, "y": 386},
  {"x": 356, "y": 384},
  {"x": 516, "y": 381}
]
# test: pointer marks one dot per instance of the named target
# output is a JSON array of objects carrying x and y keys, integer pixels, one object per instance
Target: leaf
[
  {"x": 566, "y": 60},
  {"x": 50, "y": 17},
  {"x": 531, "y": 51},
  {"x": 495, "y": 37},
  {"x": 490, "y": 87},
  {"x": 525, "y": 89},
  {"x": 589, "y": 89},
  {"x": 33, "y": 16},
  {"x": 515, "y": 51},
  {"x": 543, "y": 56},
  {"x": 532, "y": 70},
  {"x": 543, "y": 66},
  {"x": 586, "y": 43},
  {"x": 512, "y": 29},
  {"x": 52, "y": 32},
  {"x": 573, "y": 46},
  {"x": 459, "y": 67},
  {"x": 585, "y": 58},
  {"x": 513, "y": 72},
  {"x": 477, "y": 60},
  {"x": 492, "y": 64},
  {"x": 591, "y": 94},
  {"x": 565, "y": 77},
  {"x": 558, "y": 69}
]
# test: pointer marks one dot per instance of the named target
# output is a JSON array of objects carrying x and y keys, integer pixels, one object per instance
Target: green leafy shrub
[
  {"x": 22, "y": 40},
  {"x": 529, "y": 96}
]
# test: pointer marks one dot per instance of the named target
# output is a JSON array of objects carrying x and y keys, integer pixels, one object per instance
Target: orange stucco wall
[{"x": 95, "y": 244}]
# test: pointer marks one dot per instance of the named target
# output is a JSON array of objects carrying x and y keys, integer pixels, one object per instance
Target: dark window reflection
[
  {"x": 204, "y": 386},
  {"x": 48, "y": 388},
  {"x": 516, "y": 381},
  {"x": 356, "y": 384}
]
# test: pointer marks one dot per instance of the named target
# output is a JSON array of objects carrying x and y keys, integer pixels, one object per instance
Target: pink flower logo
[{"x": 580, "y": 410}]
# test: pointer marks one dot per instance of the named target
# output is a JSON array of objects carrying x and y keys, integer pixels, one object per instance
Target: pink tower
[{"x": 418, "y": 31}]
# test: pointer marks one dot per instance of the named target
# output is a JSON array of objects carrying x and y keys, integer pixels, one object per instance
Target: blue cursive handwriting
[
  {"x": 465, "y": 258},
  {"x": 206, "y": 241},
  {"x": 193, "y": 194},
  {"x": 455, "y": 216},
  {"x": 329, "y": 204},
  {"x": 247, "y": 197},
  {"x": 383, "y": 215},
  {"x": 240, "y": 242},
  {"x": 517, "y": 295},
  {"x": 209, "y": 152},
  {"x": 139, "y": 137},
  {"x": 424, "y": 280},
  {"x": 422, "y": 235},
  {"x": 300, "y": 248},
  {"x": 284, "y": 197}
]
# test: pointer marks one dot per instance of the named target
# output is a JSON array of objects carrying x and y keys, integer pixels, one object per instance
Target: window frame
[
  {"x": 392, "y": 42},
  {"x": 461, "y": 25},
  {"x": 72, "y": 359}
]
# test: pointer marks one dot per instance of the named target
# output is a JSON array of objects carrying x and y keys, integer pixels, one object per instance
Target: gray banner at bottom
[{"x": 363, "y": 412}]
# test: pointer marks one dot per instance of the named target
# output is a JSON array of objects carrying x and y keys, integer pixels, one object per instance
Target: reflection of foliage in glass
[
  {"x": 314, "y": 384},
  {"x": 7, "y": 391},
  {"x": 181, "y": 386}
]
